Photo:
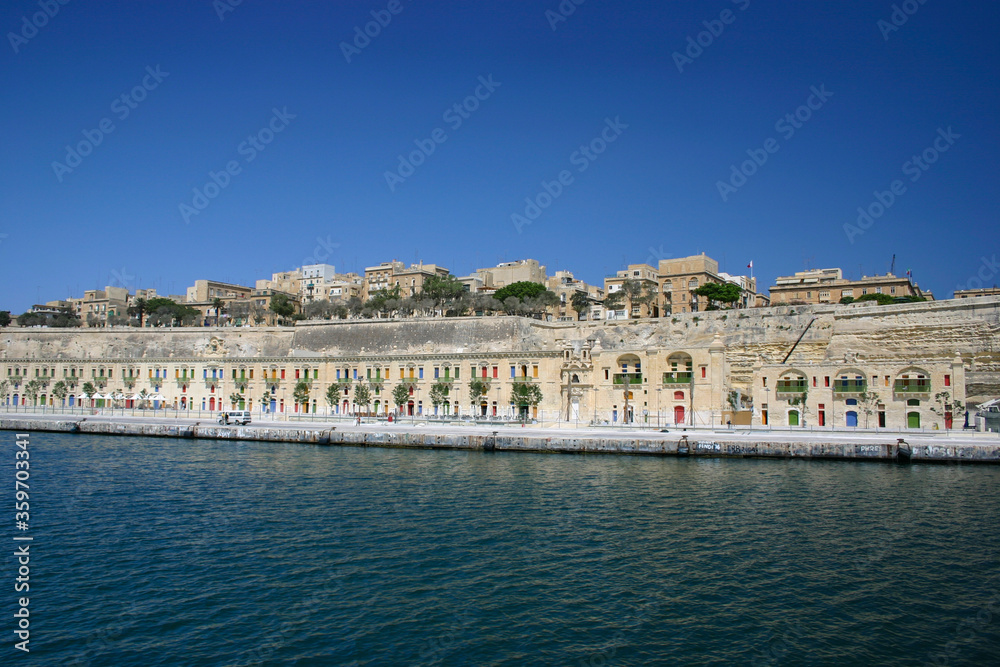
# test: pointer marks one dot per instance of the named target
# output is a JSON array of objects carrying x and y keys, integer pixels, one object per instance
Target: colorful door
[
  {"x": 948, "y": 419},
  {"x": 913, "y": 420},
  {"x": 793, "y": 418},
  {"x": 678, "y": 414},
  {"x": 852, "y": 418},
  {"x": 211, "y": 404}
]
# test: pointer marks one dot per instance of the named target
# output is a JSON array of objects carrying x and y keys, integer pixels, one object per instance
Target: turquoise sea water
[{"x": 173, "y": 552}]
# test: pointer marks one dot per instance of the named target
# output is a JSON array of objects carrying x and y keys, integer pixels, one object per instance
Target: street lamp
[{"x": 767, "y": 402}]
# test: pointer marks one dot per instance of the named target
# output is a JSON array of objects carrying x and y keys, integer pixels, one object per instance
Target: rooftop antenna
[{"x": 892, "y": 267}]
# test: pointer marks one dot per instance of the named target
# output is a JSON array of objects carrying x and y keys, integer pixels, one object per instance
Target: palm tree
[{"x": 218, "y": 304}]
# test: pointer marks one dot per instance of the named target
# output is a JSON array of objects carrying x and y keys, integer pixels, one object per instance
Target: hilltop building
[
  {"x": 410, "y": 281},
  {"x": 830, "y": 286},
  {"x": 507, "y": 273},
  {"x": 564, "y": 285}
]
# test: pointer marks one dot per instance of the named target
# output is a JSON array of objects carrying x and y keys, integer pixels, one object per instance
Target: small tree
[
  {"x": 439, "y": 393},
  {"x": 362, "y": 395},
  {"x": 301, "y": 393},
  {"x": 477, "y": 389},
  {"x": 59, "y": 392},
  {"x": 725, "y": 293},
  {"x": 89, "y": 389},
  {"x": 400, "y": 395},
  {"x": 521, "y": 290},
  {"x": 143, "y": 399},
  {"x": 945, "y": 405},
  {"x": 867, "y": 401},
  {"x": 282, "y": 306},
  {"x": 332, "y": 395},
  {"x": 235, "y": 398},
  {"x": 580, "y": 302},
  {"x": 4, "y": 318},
  {"x": 800, "y": 402},
  {"x": 523, "y": 394},
  {"x": 4, "y": 388},
  {"x": 32, "y": 389}
]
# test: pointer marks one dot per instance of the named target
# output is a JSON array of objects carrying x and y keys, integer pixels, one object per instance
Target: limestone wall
[{"x": 910, "y": 333}]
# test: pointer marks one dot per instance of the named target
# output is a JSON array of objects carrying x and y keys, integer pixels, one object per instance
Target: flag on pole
[{"x": 750, "y": 265}]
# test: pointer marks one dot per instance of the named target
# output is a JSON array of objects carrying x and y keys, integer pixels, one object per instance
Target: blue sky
[{"x": 202, "y": 84}]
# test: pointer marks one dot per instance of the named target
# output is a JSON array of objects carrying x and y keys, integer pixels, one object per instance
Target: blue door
[
  {"x": 852, "y": 418},
  {"x": 274, "y": 405},
  {"x": 72, "y": 400}
]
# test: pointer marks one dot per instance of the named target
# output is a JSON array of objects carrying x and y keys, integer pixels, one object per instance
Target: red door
[
  {"x": 678, "y": 414},
  {"x": 947, "y": 419}
]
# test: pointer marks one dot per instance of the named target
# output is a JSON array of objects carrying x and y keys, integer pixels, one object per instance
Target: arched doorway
[
  {"x": 912, "y": 420},
  {"x": 793, "y": 417},
  {"x": 679, "y": 414},
  {"x": 409, "y": 408},
  {"x": 211, "y": 404},
  {"x": 852, "y": 418}
]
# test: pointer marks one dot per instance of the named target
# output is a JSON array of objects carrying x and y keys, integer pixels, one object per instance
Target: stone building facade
[{"x": 788, "y": 367}]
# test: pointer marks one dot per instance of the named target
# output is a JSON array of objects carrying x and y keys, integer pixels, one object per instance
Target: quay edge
[{"x": 696, "y": 445}]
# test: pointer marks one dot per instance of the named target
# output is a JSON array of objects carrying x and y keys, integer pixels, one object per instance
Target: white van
[{"x": 235, "y": 417}]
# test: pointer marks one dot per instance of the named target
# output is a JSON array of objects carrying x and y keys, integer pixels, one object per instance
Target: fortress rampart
[{"x": 921, "y": 360}]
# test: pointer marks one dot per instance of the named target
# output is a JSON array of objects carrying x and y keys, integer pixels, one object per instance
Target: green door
[
  {"x": 913, "y": 420},
  {"x": 793, "y": 418}
]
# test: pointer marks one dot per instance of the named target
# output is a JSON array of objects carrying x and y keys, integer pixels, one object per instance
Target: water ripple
[{"x": 172, "y": 552}]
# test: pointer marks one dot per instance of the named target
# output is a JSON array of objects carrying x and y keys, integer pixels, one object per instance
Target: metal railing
[
  {"x": 849, "y": 386},
  {"x": 912, "y": 387},
  {"x": 678, "y": 377}
]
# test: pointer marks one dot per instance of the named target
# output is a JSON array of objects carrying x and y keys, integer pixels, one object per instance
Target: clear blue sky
[{"x": 115, "y": 218}]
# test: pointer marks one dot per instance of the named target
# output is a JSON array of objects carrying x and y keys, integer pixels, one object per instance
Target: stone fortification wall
[
  {"x": 123, "y": 343},
  {"x": 932, "y": 331},
  {"x": 421, "y": 336}
]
